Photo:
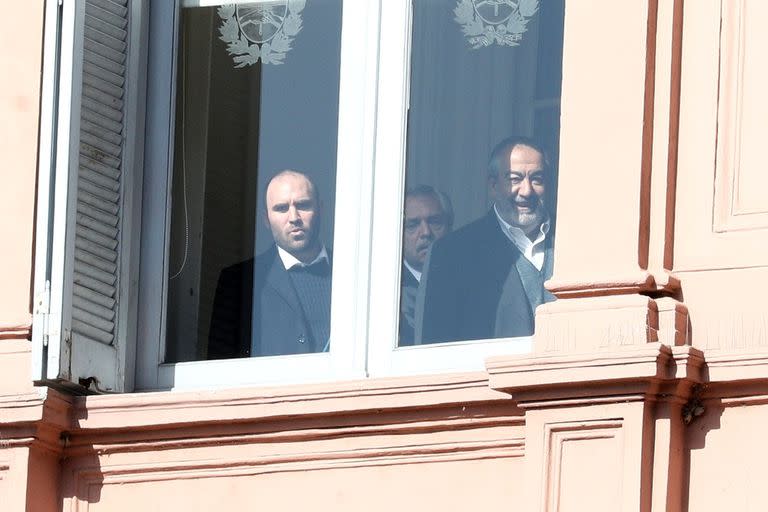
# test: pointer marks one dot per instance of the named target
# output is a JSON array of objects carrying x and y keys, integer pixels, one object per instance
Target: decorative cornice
[
  {"x": 642, "y": 282},
  {"x": 22, "y": 408},
  {"x": 572, "y": 377},
  {"x": 297, "y": 430},
  {"x": 16, "y": 332},
  {"x": 119, "y": 474},
  {"x": 35, "y": 419},
  {"x": 42, "y": 403},
  {"x": 170, "y": 410},
  {"x": 734, "y": 366},
  {"x": 739, "y": 401}
]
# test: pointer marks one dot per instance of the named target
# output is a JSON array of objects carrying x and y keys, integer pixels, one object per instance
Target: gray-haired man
[{"x": 428, "y": 217}]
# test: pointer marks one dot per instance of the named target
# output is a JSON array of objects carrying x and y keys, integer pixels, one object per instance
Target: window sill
[{"x": 164, "y": 410}]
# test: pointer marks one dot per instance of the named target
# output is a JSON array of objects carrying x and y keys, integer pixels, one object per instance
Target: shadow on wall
[
  {"x": 82, "y": 476},
  {"x": 187, "y": 462}
]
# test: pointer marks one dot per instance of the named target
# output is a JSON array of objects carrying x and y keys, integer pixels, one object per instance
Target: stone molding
[
  {"x": 141, "y": 409},
  {"x": 159, "y": 437},
  {"x": 600, "y": 377},
  {"x": 35, "y": 419},
  {"x": 620, "y": 410},
  {"x": 642, "y": 282},
  {"x": 627, "y": 402},
  {"x": 725, "y": 366},
  {"x": 15, "y": 332},
  {"x": 110, "y": 474},
  {"x": 85, "y": 478}
]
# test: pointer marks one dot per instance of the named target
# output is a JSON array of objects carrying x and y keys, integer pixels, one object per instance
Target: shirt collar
[
  {"x": 517, "y": 234},
  {"x": 290, "y": 261},
  {"x": 413, "y": 271}
]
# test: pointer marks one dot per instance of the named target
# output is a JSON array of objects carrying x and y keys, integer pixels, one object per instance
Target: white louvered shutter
[
  {"x": 97, "y": 233},
  {"x": 96, "y": 173}
]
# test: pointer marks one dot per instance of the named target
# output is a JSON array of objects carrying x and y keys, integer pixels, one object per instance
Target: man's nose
[
  {"x": 425, "y": 231},
  {"x": 525, "y": 188},
  {"x": 293, "y": 214}
]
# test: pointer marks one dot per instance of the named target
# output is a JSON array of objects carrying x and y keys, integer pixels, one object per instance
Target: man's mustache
[{"x": 424, "y": 245}]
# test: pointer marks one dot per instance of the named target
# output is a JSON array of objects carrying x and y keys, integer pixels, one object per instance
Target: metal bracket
[{"x": 43, "y": 310}]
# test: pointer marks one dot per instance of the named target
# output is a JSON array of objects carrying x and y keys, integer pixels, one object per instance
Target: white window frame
[
  {"x": 347, "y": 356},
  {"x": 385, "y": 358},
  {"x": 370, "y": 177}
]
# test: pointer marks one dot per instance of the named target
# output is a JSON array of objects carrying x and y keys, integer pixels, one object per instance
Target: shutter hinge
[{"x": 43, "y": 310}]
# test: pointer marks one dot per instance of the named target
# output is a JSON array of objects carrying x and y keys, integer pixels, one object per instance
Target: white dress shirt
[
  {"x": 532, "y": 250},
  {"x": 290, "y": 261},
  {"x": 413, "y": 271}
]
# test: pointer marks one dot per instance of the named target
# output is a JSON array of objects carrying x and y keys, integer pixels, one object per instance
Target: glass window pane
[
  {"x": 481, "y": 168},
  {"x": 250, "y": 246}
]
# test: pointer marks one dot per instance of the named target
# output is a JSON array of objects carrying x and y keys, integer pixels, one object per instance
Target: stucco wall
[
  {"x": 20, "y": 60},
  {"x": 727, "y": 456},
  {"x": 646, "y": 388},
  {"x": 454, "y": 457}
]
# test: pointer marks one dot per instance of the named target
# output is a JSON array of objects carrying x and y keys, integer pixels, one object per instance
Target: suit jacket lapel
[
  {"x": 278, "y": 279},
  {"x": 406, "y": 278},
  {"x": 504, "y": 255},
  {"x": 502, "y": 251}
]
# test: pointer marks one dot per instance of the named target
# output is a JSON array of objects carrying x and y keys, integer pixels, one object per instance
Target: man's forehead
[
  {"x": 416, "y": 204},
  {"x": 286, "y": 184},
  {"x": 290, "y": 179},
  {"x": 524, "y": 169},
  {"x": 524, "y": 154}
]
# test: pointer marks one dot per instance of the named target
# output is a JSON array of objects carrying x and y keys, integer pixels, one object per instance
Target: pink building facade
[{"x": 646, "y": 385}]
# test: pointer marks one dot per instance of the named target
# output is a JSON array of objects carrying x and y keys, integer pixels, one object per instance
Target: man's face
[
  {"x": 519, "y": 189},
  {"x": 293, "y": 215},
  {"x": 425, "y": 222}
]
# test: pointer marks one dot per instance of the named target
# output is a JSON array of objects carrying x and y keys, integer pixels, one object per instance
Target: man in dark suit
[
  {"x": 485, "y": 280},
  {"x": 428, "y": 217},
  {"x": 280, "y": 303}
]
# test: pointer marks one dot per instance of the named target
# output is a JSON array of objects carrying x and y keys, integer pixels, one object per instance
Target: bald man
[{"x": 280, "y": 303}]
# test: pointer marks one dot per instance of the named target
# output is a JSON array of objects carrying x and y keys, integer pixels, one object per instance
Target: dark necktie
[{"x": 319, "y": 268}]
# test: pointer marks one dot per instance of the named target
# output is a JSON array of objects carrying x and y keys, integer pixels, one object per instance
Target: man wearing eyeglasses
[{"x": 428, "y": 217}]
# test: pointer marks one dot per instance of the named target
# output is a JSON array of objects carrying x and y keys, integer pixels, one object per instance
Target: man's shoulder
[
  {"x": 243, "y": 271},
  {"x": 475, "y": 233},
  {"x": 266, "y": 263},
  {"x": 266, "y": 256},
  {"x": 238, "y": 270}
]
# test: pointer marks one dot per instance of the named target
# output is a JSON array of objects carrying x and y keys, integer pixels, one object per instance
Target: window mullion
[{"x": 394, "y": 62}]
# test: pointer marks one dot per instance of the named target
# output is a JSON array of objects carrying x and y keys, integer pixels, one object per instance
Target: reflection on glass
[
  {"x": 481, "y": 166},
  {"x": 253, "y": 180}
]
